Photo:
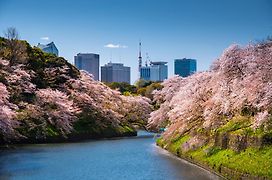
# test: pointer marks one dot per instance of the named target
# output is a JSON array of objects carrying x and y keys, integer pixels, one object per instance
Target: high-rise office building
[
  {"x": 49, "y": 48},
  {"x": 145, "y": 73},
  {"x": 88, "y": 62},
  {"x": 185, "y": 67},
  {"x": 115, "y": 72},
  {"x": 157, "y": 71}
]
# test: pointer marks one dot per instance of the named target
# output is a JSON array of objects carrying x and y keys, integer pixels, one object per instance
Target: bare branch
[{"x": 11, "y": 33}]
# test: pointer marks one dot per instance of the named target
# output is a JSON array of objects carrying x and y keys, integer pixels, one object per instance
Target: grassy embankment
[{"x": 253, "y": 161}]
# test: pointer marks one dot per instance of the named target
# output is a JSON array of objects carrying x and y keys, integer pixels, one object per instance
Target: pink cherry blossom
[{"x": 240, "y": 79}]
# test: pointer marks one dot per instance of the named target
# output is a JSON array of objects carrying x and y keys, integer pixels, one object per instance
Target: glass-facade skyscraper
[
  {"x": 145, "y": 73},
  {"x": 49, "y": 48},
  {"x": 157, "y": 71},
  {"x": 185, "y": 67},
  {"x": 88, "y": 62}
]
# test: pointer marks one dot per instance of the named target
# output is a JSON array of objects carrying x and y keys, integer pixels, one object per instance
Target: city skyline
[{"x": 168, "y": 30}]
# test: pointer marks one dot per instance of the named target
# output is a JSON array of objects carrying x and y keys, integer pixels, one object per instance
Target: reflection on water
[{"x": 125, "y": 158}]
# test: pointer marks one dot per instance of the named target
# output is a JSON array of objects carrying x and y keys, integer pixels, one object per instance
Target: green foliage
[
  {"x": 14, "y": 50},
  {"x": 160, "y": 142},
  {"x": 2, "y": 46},
  {"x": 248, "y": 111},
  {"x": 252, "y": 161},
  {"x": 3, "y": 79},
  {"x": 123, "y": 87},
  {"x": 89, "y": 123},
  {"x": 38, "y": 61},
  {"x": 17, "y": 97},
  {"x": 124, "y": 128},
  {"x": 142, "y": 83},
  {"x": 86, "y": 122},
  {"x": 237, "y": 122},
  {"x": 30, "y": 127},
  {"x": 127, "y": 93},
  {"x": 35, "y": 128},
  {"x": 175, "y": 145},
  {"x": 212, "y": 150},
  {"x": 214, "y": 159},
  {"x": 150, "y": 88},
  {"x": 143, "y": 88},
  {"x": 200, "y": 130},
  {"x": 141, "y": 91},
  {"x": 52, "y": 131},
  {"x": 128, "y": 129}
]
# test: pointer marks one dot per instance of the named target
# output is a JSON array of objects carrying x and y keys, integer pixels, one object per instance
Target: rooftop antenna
[
  {"x": 140, "y": 58},
  {"x": 147, "y": 62}
]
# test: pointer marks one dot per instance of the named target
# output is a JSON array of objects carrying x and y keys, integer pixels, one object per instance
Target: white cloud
[
  {"x": 115, "y": 46},
  {"x": 45, "y": 38}
]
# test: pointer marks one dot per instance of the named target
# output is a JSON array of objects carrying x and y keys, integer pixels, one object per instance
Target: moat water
[{"x": 123, "y": 158}]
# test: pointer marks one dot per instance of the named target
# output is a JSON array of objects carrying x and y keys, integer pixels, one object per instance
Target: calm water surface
[{"x": 126, "y": 158}]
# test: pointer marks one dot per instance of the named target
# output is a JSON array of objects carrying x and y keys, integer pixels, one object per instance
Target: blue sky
[{"x": 168, "y": 29}]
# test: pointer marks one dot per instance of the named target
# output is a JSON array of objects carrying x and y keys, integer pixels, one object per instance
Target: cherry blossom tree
[
  {"x": 111, "y": 105},
  {"x": 7, "y": 114},
  {"x": 58, "y": 109},
  {"x": 238, "y": 82},
  {"x": 46, "y": 96}
]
